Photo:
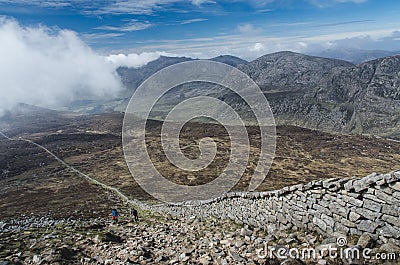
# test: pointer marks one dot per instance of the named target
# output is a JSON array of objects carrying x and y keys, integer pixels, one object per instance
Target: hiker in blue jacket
[{"x": 114, "y": 215}]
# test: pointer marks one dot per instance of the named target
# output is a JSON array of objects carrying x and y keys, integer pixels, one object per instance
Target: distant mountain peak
[
  {"x": 167, "y": 60},
  {"x": 285, "y": 53},
  {"x": 287, "y": 70},
  {"x": 163, "y": 57},
  {"x": 291, "y": 54},
  {"x": 356, "y": 56},
  {"x": 230, "y": 60}
]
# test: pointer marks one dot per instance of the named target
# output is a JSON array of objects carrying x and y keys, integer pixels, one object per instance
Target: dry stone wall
[{"x": 332, "y": 207}]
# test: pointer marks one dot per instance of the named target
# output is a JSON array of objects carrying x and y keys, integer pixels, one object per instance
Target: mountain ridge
[
  {"x": 356, "y": 56},
  {"x": 230, "y": 60},
  {"x": 308, "y": 91},
  {"x": 283, "y": 69}
]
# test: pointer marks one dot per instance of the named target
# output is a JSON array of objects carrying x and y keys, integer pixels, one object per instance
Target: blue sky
[
  {"x": 204, "y": 28},
  {"x": 56, "y": 51}
]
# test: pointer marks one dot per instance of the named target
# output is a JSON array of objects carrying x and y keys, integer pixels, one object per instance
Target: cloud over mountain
[
  {"x": 135, "y": 60},
  {"x": 50, "y": 67}
]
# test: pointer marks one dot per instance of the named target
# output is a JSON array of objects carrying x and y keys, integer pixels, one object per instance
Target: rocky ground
[{"x": 155, "y": 239}]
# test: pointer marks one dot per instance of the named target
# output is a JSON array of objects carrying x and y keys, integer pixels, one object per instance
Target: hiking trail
[{"x": 80, "y": 173}]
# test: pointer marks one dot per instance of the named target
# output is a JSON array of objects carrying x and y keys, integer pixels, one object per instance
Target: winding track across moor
[{"x": 80, "y": 173}]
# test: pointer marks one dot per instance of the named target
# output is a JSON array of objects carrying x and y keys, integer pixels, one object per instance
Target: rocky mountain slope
[
  {"x": 289, "y": 71},
  {"x": 160, "y": 239},
  {"x": 333, "y": 96}
]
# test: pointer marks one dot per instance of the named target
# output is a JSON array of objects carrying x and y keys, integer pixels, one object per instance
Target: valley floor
[{"x": 33, "y": 182}]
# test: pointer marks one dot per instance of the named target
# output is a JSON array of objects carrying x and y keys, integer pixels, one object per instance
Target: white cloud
[
  {"x": 354, "y": 1},
  {"x": 200, "y": 2},
  {"x": 143, "y": 6},
  {"x": 43, "y": 3},
  {"x": 148, "y": 7},
  {"x": 257, "y": 47},
  {"x": 54, "y": 4},
  {"x": 134, "y": 25},
  {"x": 248, "y": 48},
  {"x": 193, "y": 21},
  {"x": 135, "y": 60},
  {"x": 248, "y": 28},
  {"x": 260, "y": 3},
  {"x": 328, "y": 3},
  {"x": 134, "y": 7},
  {"x": 49, "y": 68},
  {"x": 98, "y": 7},
  {"x": 95, "y": 36}
]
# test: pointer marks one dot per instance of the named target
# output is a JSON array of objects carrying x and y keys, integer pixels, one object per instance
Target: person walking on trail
[
  {"x": 134, "y": 214},
  {"x": 114, "y": 215}
]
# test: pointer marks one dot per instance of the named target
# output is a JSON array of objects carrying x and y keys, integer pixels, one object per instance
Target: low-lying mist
[{"x": 50, "y": 67}]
